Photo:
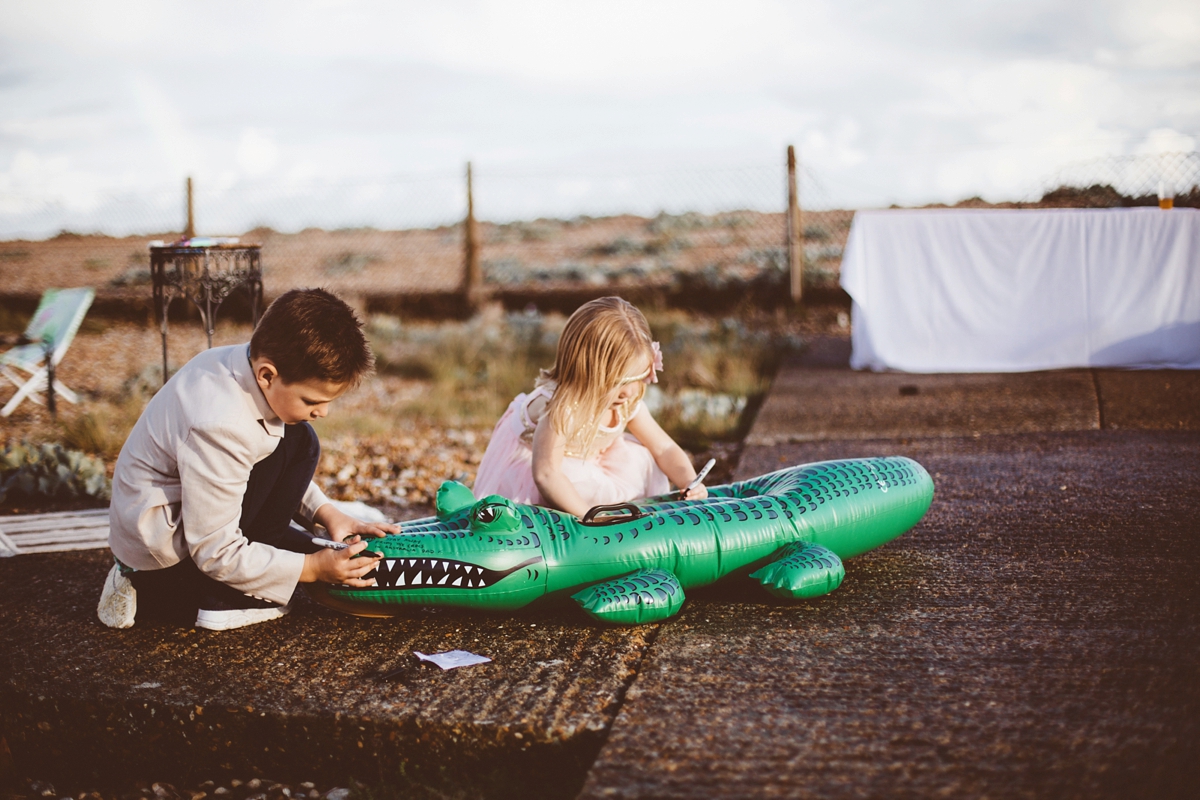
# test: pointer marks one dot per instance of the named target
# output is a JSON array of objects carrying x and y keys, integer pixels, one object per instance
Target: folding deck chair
[{"x": 50, "y": 333}]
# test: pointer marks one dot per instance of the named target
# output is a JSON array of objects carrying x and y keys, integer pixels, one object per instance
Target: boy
[{"x": 220, "y": 462}]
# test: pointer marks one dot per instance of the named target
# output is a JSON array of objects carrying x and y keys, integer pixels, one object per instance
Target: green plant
[
  {"x": 716, "y": 374},
  {"x": 473, "y": 369},
  {"x": 103, "y": 428},
  {"x": 717, "y": 371},
  {"x": 53, "y": 472}
]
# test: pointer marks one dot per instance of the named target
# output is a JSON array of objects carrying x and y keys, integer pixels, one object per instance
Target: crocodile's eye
[{"x": 495, "y": 514}]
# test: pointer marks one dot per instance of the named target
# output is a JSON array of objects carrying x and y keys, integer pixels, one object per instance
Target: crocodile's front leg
[
  {"x": 648, "y": 595},
  {"x": 802, "y": 570}
]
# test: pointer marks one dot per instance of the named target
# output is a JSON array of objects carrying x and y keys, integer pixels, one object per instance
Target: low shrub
[{"x": 51, "y": 472}]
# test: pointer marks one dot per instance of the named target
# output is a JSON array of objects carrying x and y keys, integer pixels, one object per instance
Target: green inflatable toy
[{"x": 630, "y": 563}]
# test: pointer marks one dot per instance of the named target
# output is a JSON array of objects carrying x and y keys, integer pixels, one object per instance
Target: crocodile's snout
[{"x": 413, "y": 573}]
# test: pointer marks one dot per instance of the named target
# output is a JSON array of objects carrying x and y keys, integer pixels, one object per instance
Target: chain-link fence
[
  {"x": 719, "y": 234},
  {"x": 1127, "y": 181},
  {"x": 405, "y": 237}
]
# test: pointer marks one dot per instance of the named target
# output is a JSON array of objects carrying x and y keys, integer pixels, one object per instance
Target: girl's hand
[
  {"x": 698, "y": 492},
  {"x": 342, "y": 526},
  {"x": 342, "y": 530},
  {"x": 339, "y": 566}
]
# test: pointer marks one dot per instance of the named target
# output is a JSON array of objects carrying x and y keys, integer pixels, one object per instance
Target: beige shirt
[{"x": 179, "y": 481}]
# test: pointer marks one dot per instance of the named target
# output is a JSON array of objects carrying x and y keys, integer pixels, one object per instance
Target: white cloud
[
  {"x": 1162, "y": 34},
  {"x": 160, "y": 115},
  {"x": 257, "y": 152},
  {"x": 925, "y": 100},
  {"x": 1165, "y": 140}
]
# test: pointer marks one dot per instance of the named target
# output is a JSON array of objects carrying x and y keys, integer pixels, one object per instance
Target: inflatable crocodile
[{"x": 630, "y": 563}]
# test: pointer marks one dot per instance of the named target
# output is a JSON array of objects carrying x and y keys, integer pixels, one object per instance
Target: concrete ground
[{"x": 1037, "y": 635}]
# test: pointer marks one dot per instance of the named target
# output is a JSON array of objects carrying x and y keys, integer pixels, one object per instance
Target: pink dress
[{"x": 618, "y": 470}]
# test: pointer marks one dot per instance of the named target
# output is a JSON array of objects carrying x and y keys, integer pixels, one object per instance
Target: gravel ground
[{"x": 230, "y": 789}]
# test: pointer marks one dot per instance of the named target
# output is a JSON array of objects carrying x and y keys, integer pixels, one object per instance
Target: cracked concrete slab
[
  {"x": 1037, "y": 635},
  {"x": 813, "y": 404},
  {"x": 303, "y": 696},
  {"x": 1167, "y": 399}
]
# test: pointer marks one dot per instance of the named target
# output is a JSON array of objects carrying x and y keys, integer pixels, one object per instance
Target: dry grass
[{"x": 427, "y": 414}]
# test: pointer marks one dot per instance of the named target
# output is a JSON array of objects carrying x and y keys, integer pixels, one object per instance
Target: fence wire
[
  {"x": 628, "y": 227},
  {"x": 1132, "y": 180},
  {"x": 600, "y": 227}
]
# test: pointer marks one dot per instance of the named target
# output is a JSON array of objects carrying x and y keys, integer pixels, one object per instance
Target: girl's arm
[
  {"x": 669, "y": 456},
  {"x": 557, "y": 490}
]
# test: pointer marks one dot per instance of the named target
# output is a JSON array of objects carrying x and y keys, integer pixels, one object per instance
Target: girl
[{"x": 583, "y": 436}]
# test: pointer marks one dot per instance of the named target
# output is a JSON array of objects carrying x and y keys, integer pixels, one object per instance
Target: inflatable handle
[{"x": 634, "y": 513}]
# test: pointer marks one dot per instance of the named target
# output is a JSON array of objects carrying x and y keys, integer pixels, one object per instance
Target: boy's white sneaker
[
  {"x": 118, "y": 600},
  {"x": 228, "y": 619}
]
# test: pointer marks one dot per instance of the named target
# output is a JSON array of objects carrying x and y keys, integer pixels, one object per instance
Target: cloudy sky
[{"x": 326, "y": 111}]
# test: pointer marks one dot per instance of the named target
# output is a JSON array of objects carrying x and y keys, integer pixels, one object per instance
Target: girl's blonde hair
[{"x": 602, "y": 343}]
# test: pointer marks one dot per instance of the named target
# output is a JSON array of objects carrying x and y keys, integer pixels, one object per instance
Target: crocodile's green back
[
  {"x": 501, "y": 555},
  {"x": 848, "y": 506}
]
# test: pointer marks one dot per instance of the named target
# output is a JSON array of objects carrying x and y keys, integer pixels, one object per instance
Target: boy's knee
[
  {"x": 302, "y": 441},
  {"x": 309, "y": 435}
]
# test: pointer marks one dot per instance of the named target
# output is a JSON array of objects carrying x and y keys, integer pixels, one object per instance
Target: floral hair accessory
[
  {"x": 657, "y": 366},
  {"x": 651, "y": 374}
]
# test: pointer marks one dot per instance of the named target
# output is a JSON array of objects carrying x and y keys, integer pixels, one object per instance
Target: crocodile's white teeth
[{"x": 392, "y": 573}]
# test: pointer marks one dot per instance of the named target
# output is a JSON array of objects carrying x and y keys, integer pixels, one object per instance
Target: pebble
[{"x": 252, "y": 789}]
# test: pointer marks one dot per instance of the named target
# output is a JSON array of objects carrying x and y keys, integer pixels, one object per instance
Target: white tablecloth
[{"x": 983, "y": 290}]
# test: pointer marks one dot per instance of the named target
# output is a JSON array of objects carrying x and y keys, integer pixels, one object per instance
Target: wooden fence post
[
  {"x": 190, "y": 231},
  {"x": 795, "y": 233},
  {"x": 472, "y": 274}
]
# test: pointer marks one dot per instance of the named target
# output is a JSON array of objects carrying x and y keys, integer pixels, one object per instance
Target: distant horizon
[{"x": 446, "y": 204}]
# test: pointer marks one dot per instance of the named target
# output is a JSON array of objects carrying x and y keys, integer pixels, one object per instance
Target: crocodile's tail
[{"x": 848, "y": 505}]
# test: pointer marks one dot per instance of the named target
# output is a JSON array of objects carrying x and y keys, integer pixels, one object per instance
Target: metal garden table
[{"x": 206, "y": 275}]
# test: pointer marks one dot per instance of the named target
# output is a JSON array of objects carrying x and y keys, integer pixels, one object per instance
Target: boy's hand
[
  {"x": 342, "y": 526},
  {"x": 697, "y": 492},
  {"x": 339, "y": 566}
]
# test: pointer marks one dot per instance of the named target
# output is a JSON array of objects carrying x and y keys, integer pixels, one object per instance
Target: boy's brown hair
[{"x": 312, "y": 334}]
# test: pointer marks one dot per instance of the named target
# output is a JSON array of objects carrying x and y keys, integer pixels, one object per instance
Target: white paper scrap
[{"x": 453, "y": 659}]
